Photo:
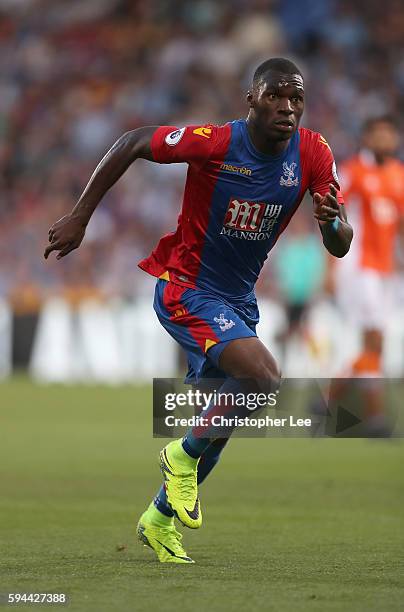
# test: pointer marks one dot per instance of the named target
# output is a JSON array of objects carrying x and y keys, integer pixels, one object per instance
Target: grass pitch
[{"x": 288, "y": 524}]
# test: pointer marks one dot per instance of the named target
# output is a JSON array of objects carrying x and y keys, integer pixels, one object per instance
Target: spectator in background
[{"x": 374, "y": 181}]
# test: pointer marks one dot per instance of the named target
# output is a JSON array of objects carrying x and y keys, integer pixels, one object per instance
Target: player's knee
[
  {"x": 267, "y": 377},
  {"x": 263, "y": 374}
]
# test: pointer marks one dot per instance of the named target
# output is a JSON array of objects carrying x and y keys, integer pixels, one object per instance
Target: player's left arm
[{"x": 328, "y": 202}]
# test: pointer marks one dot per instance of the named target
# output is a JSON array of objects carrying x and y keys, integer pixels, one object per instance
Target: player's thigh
[{"x": 248, "y": 358}]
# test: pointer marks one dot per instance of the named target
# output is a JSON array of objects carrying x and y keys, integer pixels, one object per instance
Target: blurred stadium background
[
  {"x": 322, "y": 529},
  {"x": 75, "y": 76}
]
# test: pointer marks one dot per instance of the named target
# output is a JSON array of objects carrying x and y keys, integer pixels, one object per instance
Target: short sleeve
[
  {"x": 324, "y": 170},
  {"x": 191, "y": 144}
]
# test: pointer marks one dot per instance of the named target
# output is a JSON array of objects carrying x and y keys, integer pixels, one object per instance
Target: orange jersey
[{"x": 374, "y": 196}]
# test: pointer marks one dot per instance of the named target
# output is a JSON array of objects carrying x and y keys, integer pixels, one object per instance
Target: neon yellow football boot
[
  {"x": 164, "y": 539},
  {"x": 180, "y": 475}
]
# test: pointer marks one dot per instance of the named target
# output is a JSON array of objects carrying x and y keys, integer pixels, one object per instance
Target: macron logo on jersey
[
  {"x": 237, "y": 169},
  {"x": 323, "y": 141},
  {"x": 250, "y": 220},
  {"x": 203, "y": 131}
]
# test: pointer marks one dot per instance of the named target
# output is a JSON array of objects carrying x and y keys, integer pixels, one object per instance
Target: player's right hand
[{"x": 65, "y": 235}]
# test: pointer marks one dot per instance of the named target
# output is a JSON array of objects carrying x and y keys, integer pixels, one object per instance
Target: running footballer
[{"x": 245, "y": 181}]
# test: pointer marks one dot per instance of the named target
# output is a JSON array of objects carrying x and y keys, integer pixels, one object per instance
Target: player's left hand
[{"x": 326, "y": 208}]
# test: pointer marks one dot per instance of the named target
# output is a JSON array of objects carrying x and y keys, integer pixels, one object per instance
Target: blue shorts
[{"x": 203, "y": 323}]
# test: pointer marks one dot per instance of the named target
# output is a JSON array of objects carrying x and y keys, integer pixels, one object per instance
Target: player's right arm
[
  {"x": 163, "y": 144},
  {"x": 67, "y": 234}
]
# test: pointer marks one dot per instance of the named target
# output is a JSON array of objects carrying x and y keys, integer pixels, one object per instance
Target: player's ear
[{"x": 250, "y": 99}]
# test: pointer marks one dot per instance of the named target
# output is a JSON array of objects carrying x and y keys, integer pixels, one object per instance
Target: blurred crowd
[{"x": 75, "y": 75}]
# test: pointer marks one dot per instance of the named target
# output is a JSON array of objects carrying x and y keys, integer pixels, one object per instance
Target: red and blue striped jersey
[{"x": 237, "y": 202}]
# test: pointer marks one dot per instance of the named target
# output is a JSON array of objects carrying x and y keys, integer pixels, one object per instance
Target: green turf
[{"x": 288, "y": 524}]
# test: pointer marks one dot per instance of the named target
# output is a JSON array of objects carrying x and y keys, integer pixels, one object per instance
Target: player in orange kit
[{"x": 373, "y": 184}]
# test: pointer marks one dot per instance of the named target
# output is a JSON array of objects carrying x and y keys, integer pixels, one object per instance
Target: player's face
[
  {"x": 278, "y": 104},
  {"x": 382, "y": 139}
]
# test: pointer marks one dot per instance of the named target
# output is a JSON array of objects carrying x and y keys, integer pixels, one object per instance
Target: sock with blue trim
[
  {"x": 161, "y": 504},
  {"x": 197, "y": 440}
]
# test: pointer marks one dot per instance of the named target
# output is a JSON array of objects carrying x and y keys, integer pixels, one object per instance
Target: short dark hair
[
  {"x": 374, "y": 121},
  {"x": 276, "y": 64}
]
